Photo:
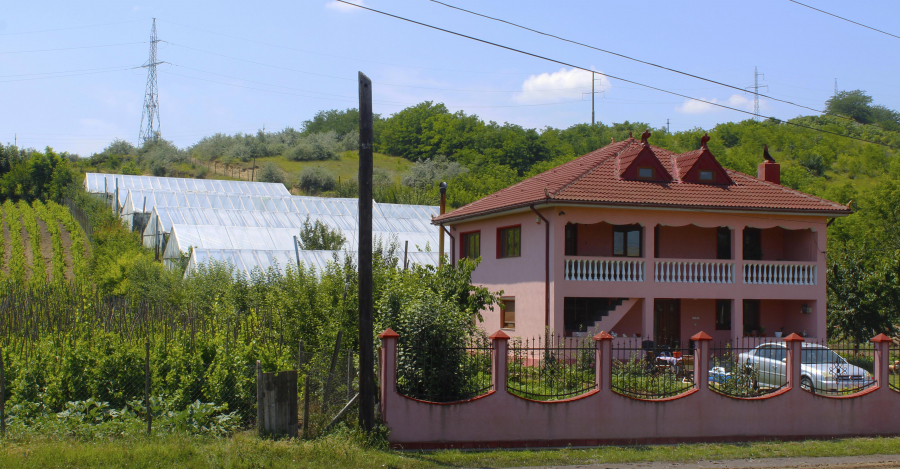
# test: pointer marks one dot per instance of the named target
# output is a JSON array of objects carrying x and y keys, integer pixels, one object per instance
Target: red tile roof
[{"x": 593, "y": 179}]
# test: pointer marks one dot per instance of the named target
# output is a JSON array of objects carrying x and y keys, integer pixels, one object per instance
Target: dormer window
[
  {"x": 645, "y": 173},
  {"x": 707, "y": 176}
]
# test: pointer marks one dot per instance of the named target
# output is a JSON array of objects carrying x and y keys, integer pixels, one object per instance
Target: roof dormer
[
  {"x": 639, "y": 163},
  {"x": 701, "y": 167}
]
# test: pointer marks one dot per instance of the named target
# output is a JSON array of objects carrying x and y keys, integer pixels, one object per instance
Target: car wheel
[{"x": 807, "y": 384}]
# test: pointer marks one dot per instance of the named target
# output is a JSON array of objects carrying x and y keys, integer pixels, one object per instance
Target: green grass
[
  {"x": 247, "y": 451},
  {"x": 346, "y": 168}
]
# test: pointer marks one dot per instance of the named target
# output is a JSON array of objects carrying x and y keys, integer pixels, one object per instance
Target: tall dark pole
[{"x": 366, "y": 347}]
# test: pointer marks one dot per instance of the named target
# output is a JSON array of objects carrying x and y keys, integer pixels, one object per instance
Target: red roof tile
[{"x": 593, "y": 179}]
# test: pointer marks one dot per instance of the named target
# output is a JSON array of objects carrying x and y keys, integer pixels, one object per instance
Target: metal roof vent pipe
[
  {"x": 769, "y": 170},
  {"x": 443, "y": 187}
]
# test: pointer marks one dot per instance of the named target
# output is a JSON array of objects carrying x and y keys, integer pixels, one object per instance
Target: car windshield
[{"x": 819, "y": 355}]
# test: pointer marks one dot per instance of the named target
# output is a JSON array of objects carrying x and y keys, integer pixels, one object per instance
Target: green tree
[
  {"x": 853, "y": 104},
  {"x": 318, "y": 236},
  {"x": 863, "y": 293}
]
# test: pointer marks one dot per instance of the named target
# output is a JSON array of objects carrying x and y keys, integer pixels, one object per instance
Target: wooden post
[
  {"x": 366, "y": 345},
  {"x": 2, "y": 397},
  {"x": 147, "y": 388},
  {"x": 259, "y": 408},
  {"x": 276, "y": 403},
  {"x": 405, "y": 253},
  {"x": 349, "y": 373},
  {"x": 306, "y": 407}
]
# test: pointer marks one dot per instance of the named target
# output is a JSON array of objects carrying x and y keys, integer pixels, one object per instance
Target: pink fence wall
[{"x": 500, "y": 419}]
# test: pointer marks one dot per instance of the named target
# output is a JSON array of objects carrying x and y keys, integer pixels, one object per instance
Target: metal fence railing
[
  {"x": 894, "y": 367},
  {"x": 551, "y": 368},
  {"x": 647, "y": 370},
  {"x": 837, "y": 368},
  {"x": 747, "y": 369},
  {"x": 328, "y": 388},
  {"x": 444, "y": 373}
]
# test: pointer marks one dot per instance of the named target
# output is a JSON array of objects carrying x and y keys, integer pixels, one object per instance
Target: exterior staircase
[{"x": 609, "y": 318}]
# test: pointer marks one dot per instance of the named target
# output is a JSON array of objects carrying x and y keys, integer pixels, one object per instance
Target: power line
[
  {"x": 756, "y": 94},
  {"x": 347, "y": 98},
  {"x": 73, "y": 48},
  {"x": 66, "y": 29},
  {"x": 340, "y": 56},
  {"x": 605, "y": 74},
  {"x": 845, "y": 19}
]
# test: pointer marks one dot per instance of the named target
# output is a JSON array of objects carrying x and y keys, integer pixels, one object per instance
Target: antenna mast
[
  {"x": 756, "y": 86},
  {"x": 150, "y": 115}
]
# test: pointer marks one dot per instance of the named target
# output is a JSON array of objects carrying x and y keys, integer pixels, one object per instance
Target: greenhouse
[
  {"x": 119, "y": 184},
  {"x": 246, "y": 261}
]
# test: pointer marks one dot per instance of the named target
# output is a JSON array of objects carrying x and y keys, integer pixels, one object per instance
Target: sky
[{"x": 71, "y": 76}]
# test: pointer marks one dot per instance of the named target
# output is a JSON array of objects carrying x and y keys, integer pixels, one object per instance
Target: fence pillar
[
  {"x": 388, "y": 362},
  {"x": 794, "y": 345},
  {"x": 882, "y": 360},
  {"x": 701, "y": 361},
  {"x": 603, "y": 361},
  {"x": 499, "y": 361}
]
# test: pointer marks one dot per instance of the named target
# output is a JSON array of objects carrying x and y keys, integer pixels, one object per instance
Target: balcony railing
[
  {"x": 694, "y": 272},
  {"x": 605, "y": 270},
  {"x": 780, "y": 273}
]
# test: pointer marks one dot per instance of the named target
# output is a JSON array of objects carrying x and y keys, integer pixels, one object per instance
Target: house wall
[
  {"x": 524, "y": 277},
  {"x": 687, "y": 242},
  {"x": 595, "y": 240}
]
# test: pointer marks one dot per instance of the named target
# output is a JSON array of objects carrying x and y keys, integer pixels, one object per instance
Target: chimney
[{"x": 769, "y": 171}]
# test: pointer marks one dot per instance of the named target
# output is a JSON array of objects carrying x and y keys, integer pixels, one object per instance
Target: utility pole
[
  {"x": 835, "y": 87},
  {"x": 150, "y": 116},
  {"x": 593, "y": 94},
  {"x": 668, "y": 131},
  {"x": 756, "y": 86},
  {"x": 366, "y": 345}
]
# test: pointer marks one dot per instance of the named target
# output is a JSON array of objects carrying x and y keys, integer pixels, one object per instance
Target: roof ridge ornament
[
  {"x": 704, "y": 140},
  {"x": 645, "y": 137}
]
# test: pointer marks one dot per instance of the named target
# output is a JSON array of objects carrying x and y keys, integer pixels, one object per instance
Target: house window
[
  {"x": 723, "y": 243},
  {"x": 752, "y": 244},
  {"x": 723, "y": 315},
  {"x": 571, "y": 239},
  {"x": 627, "y": 240},
  {"x": 645, "y": 173},
  {"x": 707, "y": 176},
  {"x": 751, "y": 317},
  {"x": 471, "y": 245},
  {"x": 509, "y": 242},
  {"x": 508, "y": 312}
]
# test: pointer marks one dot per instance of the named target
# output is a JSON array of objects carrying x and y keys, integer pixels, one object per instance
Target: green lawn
[
  {"x": 246, "y": 451},
  {"x": 345, "y": 168}
]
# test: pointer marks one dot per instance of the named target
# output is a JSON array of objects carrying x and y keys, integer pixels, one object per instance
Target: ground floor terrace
[{"x": 665, "y": 321}]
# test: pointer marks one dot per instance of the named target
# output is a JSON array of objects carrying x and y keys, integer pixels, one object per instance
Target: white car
[{"x": 821, "y": 369}]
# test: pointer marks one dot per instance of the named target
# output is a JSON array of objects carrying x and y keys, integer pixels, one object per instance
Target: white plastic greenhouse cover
[
  {"x": 183, "y": 237},
  {"x": 106, "y": 183},
  {"x": 244, "y": 261}
]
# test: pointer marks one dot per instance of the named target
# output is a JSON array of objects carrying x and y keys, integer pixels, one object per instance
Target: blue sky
[{"x": 238, "y": 66}]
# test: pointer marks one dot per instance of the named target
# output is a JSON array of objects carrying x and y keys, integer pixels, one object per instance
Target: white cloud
[
  {"x": 343, "y": 7},
  {"x": 693, "y": 106},
  {"x": 560, "y": 86}
]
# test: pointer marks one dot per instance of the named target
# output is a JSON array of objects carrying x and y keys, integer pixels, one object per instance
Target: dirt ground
[{"x": 847, "y": 462}]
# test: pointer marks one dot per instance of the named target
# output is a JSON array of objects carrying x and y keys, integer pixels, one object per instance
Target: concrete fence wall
[{"x": 501, "y": 419}]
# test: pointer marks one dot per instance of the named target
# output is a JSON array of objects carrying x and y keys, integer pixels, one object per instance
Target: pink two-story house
[{"x": 641, "y": 242}]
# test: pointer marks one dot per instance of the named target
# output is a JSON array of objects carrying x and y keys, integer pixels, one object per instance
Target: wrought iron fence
[
  {"x": 551, "y": 368},
  {"x": 837, "y": 368},
  {"x": 645, "y": 369},
  {"x": 745, "y": 368},
  {"x": 444, "y": 373},
  {"x": 894, "y": 367}
]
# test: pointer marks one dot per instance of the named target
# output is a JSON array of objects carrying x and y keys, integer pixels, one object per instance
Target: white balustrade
[
  {"x": 780, "y": 273},
  {"x": 605, "y": 270},
  {"x": 694, "y": 272}
]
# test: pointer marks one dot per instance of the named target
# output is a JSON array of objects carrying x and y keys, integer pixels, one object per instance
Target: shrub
[
  {"x": 426, "y": 173},
  {"x": 321, "y": 237},
  {"x": 316, "y": 147},
  {"x": 270, "y": 172},
  {"x": 314, "y": 179}
]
